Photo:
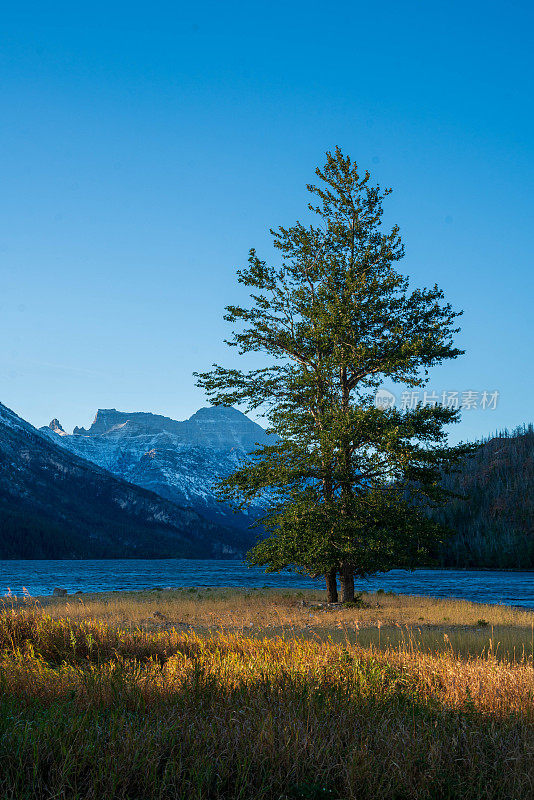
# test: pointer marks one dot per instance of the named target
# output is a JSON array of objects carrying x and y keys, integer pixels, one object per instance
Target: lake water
[{"x": 40, "y": 578}]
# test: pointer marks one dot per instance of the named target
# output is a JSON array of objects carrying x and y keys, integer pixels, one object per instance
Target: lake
[{"x": 40, "y": 578}]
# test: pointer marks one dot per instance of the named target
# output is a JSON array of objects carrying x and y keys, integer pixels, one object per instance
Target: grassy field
[{"x": 262, "y": 694}]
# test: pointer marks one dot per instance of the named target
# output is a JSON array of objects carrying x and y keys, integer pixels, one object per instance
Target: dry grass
[
  {"x": 101, "y": 698},
  {"x": 383, "y": 621}
]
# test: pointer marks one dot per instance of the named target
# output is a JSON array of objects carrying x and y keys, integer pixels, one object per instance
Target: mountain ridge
[
  {"x": 55, "y": 504},
  {"x": 179, "y": 460}
]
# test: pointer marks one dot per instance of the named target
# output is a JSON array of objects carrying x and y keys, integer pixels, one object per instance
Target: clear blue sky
[{"x": 146, "y": 147}]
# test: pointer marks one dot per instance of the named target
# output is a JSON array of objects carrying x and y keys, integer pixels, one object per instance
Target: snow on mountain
[
  {"x": 55, "y": 426},
  {"x": 180, "y": 461},
  {"x": 9, "y": 419},
  {"x": 54, "y": 504}
]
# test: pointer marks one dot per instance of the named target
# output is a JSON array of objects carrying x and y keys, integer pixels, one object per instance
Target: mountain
[
  {"x": 54, "y": 504},
  {"x": 180, "y": 461},
  {"x": 494, "y": 526},
  {"x": 59, "y": 498}
]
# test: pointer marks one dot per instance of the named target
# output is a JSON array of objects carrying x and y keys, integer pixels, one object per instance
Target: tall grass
[
  {"x": 382, "y": 621},
  {"x": 94, "y": 709}
]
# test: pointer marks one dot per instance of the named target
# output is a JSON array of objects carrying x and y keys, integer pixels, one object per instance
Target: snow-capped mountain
[
  {"x": 54, "y": 504},
  {"x": 180, "y": 461}
]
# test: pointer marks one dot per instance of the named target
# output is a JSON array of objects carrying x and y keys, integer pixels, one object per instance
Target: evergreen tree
[{"x": 334, "y": 318}]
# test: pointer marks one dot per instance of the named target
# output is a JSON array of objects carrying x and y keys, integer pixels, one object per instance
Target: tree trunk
[
  {"x": 331, "y": 586},
  {"x": 347, "y": 585}
]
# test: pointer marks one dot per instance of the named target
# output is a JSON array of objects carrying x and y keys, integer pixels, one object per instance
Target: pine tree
[{"x": 334, "y": 319}]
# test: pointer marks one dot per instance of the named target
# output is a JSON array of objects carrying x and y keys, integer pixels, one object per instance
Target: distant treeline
[{"x": 494, "y": 526}]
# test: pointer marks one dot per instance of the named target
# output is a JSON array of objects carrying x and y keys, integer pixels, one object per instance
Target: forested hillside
[{"x": 494, "y": 526}]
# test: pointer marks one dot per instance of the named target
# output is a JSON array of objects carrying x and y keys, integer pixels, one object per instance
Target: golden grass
[
  {"x": 268, "y": 606},
  {"x": 384, "y": 621},
  {"x": 228, "y": 694}
]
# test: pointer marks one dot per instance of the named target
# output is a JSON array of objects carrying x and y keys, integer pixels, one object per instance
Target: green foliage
[
  {"x": 334, "y": 318},
  {"x": 358, "y": 602}
]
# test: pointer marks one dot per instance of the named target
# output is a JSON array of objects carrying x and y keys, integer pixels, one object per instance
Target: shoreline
[{"x": 305, "y": 597}]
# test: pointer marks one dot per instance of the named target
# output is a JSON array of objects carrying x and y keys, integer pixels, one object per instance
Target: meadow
[{"x": 204, "y": 694}]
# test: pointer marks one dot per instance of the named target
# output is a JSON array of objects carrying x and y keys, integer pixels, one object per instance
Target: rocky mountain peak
[
  {"x": 56, "y": 504},
  {"x": 224, "y": 426},
  {"x": 179, "y": 460},
  {"x": 216, "y": 413},
  {"x": 106, "y": 418},
  {"x": 56, "y": 426},
  {"x": 214, "y": 426}
]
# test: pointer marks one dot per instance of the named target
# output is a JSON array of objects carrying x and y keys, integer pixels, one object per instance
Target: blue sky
[{"x": 146, "y": 147}]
